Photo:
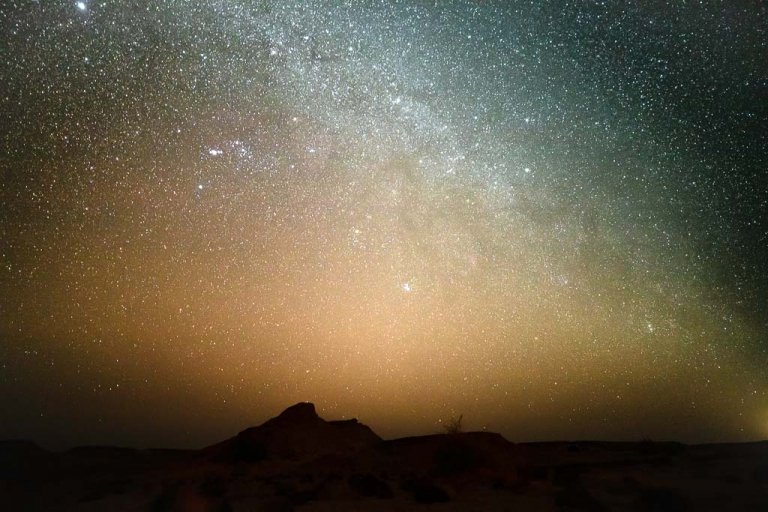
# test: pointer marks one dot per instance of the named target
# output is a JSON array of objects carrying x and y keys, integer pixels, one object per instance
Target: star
[{"x": 225, "y": 193}]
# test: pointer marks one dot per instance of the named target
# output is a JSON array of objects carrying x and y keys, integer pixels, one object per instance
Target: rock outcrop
[{"x": 298, "y": 433}]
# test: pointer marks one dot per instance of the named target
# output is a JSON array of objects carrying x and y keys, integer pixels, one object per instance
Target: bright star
[{"x": 81, "y": 5}]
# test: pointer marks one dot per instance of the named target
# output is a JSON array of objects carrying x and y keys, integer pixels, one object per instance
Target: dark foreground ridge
[{"x": 299, "y": 461}]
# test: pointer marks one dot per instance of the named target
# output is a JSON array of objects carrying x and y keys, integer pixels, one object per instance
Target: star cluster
[{"x": 550, "y": 217}]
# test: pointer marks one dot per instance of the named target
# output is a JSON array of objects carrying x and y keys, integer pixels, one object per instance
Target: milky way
[{"x": 548, "y": 217}]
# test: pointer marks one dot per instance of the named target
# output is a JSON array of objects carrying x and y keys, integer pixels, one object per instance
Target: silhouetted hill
[
  {"x": 13, "y": 449},
  {"x": 299, "y": 461},
  {"x": 297, "y": 433}
]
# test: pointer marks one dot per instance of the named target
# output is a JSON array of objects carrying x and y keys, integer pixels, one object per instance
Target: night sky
[{"x": 551, "y": 218}]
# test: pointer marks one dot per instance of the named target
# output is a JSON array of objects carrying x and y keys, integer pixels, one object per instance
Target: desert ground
[{"x": 299, "y": 461}]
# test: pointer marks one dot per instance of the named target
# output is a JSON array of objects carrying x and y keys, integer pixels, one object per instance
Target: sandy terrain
[{"x": 298, "y": 461}]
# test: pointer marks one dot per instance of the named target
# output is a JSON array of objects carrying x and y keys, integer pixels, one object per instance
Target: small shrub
[
  {"x": 453, "y": 426},
  {"x": 424, "y": 490}
]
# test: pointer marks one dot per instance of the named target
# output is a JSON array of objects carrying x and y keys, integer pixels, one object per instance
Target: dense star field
[{"x": 551, "y": 218}]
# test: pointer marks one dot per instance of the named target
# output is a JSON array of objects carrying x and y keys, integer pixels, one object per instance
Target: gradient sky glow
[{"x": 551, "y": 218}]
